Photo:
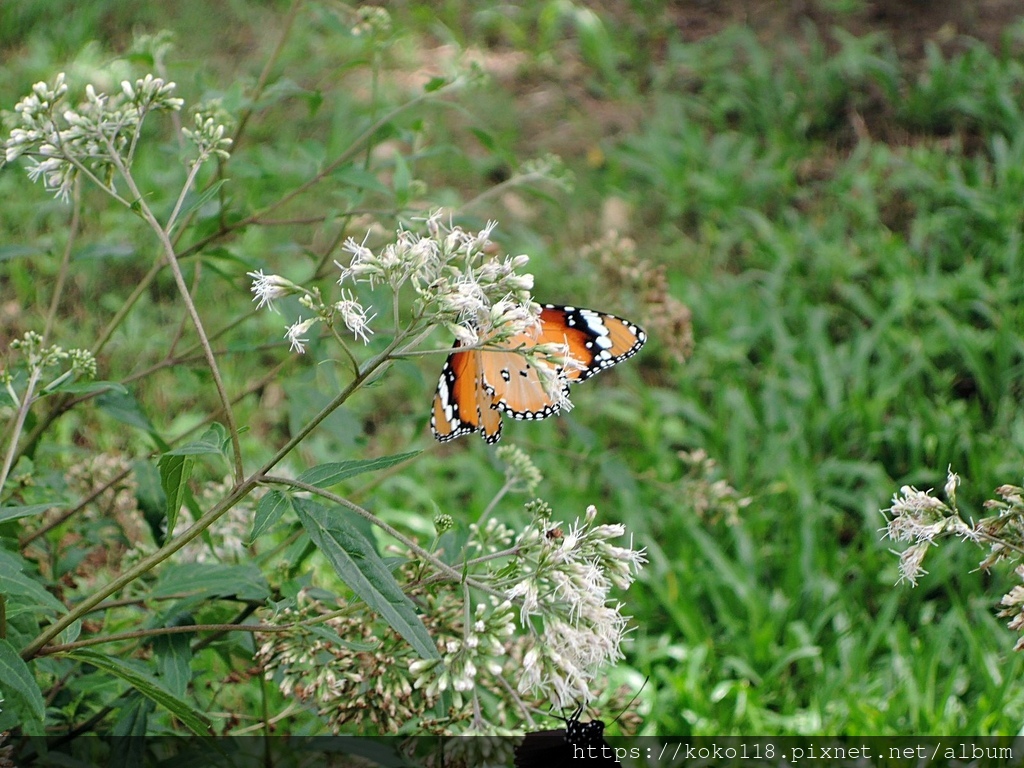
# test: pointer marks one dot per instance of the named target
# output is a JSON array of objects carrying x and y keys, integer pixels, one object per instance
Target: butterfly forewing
[{"x": 596, "y": 340}]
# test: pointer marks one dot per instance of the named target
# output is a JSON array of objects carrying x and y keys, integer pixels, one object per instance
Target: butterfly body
[{"x": 478, "y": 385}]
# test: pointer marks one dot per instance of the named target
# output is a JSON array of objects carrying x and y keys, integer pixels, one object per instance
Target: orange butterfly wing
[
  {"x": 597, "y": 340},
  {"x": 463, "y": 404},
  {"x": 476, "y": 386}
]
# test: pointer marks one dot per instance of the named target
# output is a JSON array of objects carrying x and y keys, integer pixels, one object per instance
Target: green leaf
[
  {"x": 123, "y": 406},
  {"x": 13, "y": 513},
  {"x": 401, "y": 179},
  {"x": 435, "y": 84},
  {"x": 151, "y": 498},
  {"x": 211, "y": 441},
  {"x": 174, "y": 474},
  {"x": 174, "y": 660},
  {"x": 360, "y": 567},
  {"x": 16, "y": 584},
  {"x": 18, "y": 688},
  {"x": 148, "y": 686},
  {"x": 88, "y": 387},
  {"x": 212, "y": 580},
  {"x": 326, "y": 475},
  {"x": 358, "y": 178},
  {"x": 8, "y": 252},
  {"x": 268, "y": 513},
  {"x": 485, "y": 138}
]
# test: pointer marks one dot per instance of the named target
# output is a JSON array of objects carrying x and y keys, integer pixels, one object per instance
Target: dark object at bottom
[{"x": 577, "y": 741}]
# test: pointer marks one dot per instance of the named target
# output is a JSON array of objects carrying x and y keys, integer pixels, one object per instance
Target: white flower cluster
[
  {"x": 566, "y": 581},
  {"x": 482, "y": 645},
  {"x": 101, "y": 133},
  {"x": 919, "y": 517},
  {"x": 477, "y": 297}
]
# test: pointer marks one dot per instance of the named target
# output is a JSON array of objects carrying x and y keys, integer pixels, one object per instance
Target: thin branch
[
  {"x": 43, "y": 529},
  {"x": 179, "y": 279},
  {"x": 157, "y": 631}
]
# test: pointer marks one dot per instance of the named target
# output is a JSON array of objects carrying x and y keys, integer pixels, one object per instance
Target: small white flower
[
  {"x": 266, "y": 288},
  {"x": 952, "y": 481},
  {"x": 354, "y": 316},
  {"x": 296, "y": 334}
]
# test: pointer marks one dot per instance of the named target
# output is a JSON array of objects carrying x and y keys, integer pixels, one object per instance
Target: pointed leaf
[
  {"x": 174, "y": 661},
  {"x": 23, "y": 592},
  {"x": 360, "y": 567},
  {"x": 13, "y": 513},
  {"x": 326, "y": 475},
  {"x": 211, "y": 441},
  {"x": 212, "y": 580},
  {"x": 174, "y": 474},
  {"x": 18, "y": 688},
  {"x": 268, "y": 513},
  {"x": 148, "y": 686}
]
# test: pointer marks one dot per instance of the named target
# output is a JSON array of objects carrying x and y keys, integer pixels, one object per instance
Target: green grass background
[{"x": 845, "y": 225}]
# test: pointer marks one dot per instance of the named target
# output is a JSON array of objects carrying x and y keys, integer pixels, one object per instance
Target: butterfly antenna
[{"x": 625, "y": 709}]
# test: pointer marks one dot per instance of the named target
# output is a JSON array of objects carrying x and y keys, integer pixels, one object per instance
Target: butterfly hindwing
[{"x": 516, "y": 385}]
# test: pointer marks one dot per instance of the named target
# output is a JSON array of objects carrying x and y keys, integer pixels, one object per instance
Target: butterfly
[
  {"x": 478, "y": 385},
  {"x": 563, "y": 746}
]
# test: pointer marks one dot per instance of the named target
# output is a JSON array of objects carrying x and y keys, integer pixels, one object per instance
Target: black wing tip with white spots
[{"x": 594, "y": 324}]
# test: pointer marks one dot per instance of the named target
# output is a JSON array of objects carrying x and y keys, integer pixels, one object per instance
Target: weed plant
[{"x": 204, "y": 529}]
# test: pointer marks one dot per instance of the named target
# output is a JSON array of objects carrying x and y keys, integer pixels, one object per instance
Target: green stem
[
  {"x": 157, "y": 631},
  {"x": 179, "y": 279}
]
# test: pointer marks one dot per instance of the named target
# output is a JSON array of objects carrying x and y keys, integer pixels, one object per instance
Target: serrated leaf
[
  {"x": 268, "y": 512},
  {"x": 326, "y": 475},
  {"x": 18, "y": 688},
  {"x": 212, "y": 580},
  {"x": 174, "y": 474},
  {"x": 360, "y": 567},
  {"x": 148, "y": 686}
]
